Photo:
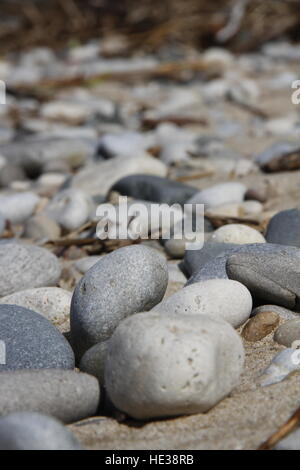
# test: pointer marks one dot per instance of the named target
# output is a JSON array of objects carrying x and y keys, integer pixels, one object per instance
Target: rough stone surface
[
  {"x": 217, "y": 298},
  {"x": 237, "y": 234},
  {"x": 52, "y": 303},
  {"x": 31, "y": 342},
  {"x": 66, "y": 395},
  {"x": 26, "y": 266},
  {"x": 271, "y": 273},
  {"x": 127, "y": 281},
  {"x": 167, "y": 365},
  {"x": 284, "y": 228},
  {"x": 35, "y": 431},
  {"x": 260, "y": 326}
]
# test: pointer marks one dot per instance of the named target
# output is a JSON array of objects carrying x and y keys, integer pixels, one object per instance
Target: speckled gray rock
[
  {"x": 223, "y": 193},
  {"x": 194, "y": 260},
  {"x": 284, "y": 228},
  {"x": 26, "y": 266},
  {"x": 35, "y": 431},
  {"x": 127, "y": 281},
  {"x": 167, "y": 365},
  {"x": 287, "y": 333},
  {"x": 66, "y": 395},
  {"x": 154, "y": 188},
  {"x": 18, "y": 207},
  {"x": 291, "y": 442},
  {"x": 52, "y": 303},
  {"x": 284, "y": 313},
  {"x": 93, "y": 361},
  {"x": 217, "y": 298},
  {"x": 31, "y": 342},
  {"x": 271, "y": 273},
  {"x": 40, "y": 227}
]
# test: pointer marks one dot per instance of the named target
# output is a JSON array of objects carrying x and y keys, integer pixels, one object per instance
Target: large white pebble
[
  {"x": 52, "y": 303},
  {"x": 18, "y": 207},
  {"x": 217, "y": 298},
  {"x": 237, "y": 233},
  {"x": 168, "y": 365}
]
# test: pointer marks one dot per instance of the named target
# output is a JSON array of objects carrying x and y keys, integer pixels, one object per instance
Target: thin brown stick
[{"x": 282, "y": 432}]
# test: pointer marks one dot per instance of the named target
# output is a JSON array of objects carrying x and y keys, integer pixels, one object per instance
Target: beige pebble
[{"x": 260, "y": 326}]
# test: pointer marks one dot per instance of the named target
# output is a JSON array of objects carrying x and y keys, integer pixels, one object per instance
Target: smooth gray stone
[
  {"x": 270, "y": 272},
  {"x": 25, "y": 266},
  {"x": 31, "y": 341},
  {"x": 93, "y": 361},
  {"x": 194, "y": 260},
  {"x": 64, "y": 394},
  {"x": 284, "y": 228},
  {"x": 214, "y": 269},
  {"x": 35, "y": 431},
  {"x": 129, "y": 280},
  {"x": 287, "y": 333},
  {"x": 291, "y": 442},
  {"x": 154, "y": 188}
]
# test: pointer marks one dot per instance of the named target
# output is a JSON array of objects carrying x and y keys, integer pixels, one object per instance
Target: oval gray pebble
[
  {"x": 127, "y": 281},
  {"x": 35, "y": 431},
  {"x": 31, "y": 341},
  {"x": 64, "y": 394}
]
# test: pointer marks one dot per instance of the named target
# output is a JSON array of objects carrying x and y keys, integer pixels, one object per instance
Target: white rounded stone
[
  {"x": 216, "y": 298},
  {"x": 18, "y": 207},
  {"x": 167, "y": 365},
  {"x": 237, "y": 233},
  {"x": 220, "y": 194},
  {"x": 70, "y": 208}
]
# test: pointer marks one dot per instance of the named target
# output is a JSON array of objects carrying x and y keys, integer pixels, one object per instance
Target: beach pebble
[
  {"x": 26, "y": 266},
  {"x": 52, "y": 303},
  {"x": 214, "y": 269},
  {"x": 284, "y": 228},
  {"x": 223, "y": 193},
  {"x": 97, "y": 179},
  {"x": 281, "y": 156},
  {"x": 70, "y": 208},
  {"x": 282, "y": 365},
  {"x": 35, "y": 431},
  {"x": 18, "y": 207},
  {"x": 194, "y": 260},
  {"x": 290, "y": 442},
  {"x": 287, "y": 333},
  {"x": 154, "y": 188},
  {"x": 41, "y": 227},
  {"x": 127, "y": 281},
  {"x": 238, "y": 234},
  {"x": 31, "y": 342},
  {"x": 175, "y": 248},
  {"x": 85, "y": 263},
  {"x": 126, "y": 144},
  {"x": 271, "y": 273},
  {"x": 93, "y": 361},
  {"x": 64, "y": 394},
  {"x": 283, "y": 313},
  {"x": 260, "y": 326},
  {"x": 217, "y": 298},
  {"x": 168, "y": 365}
]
